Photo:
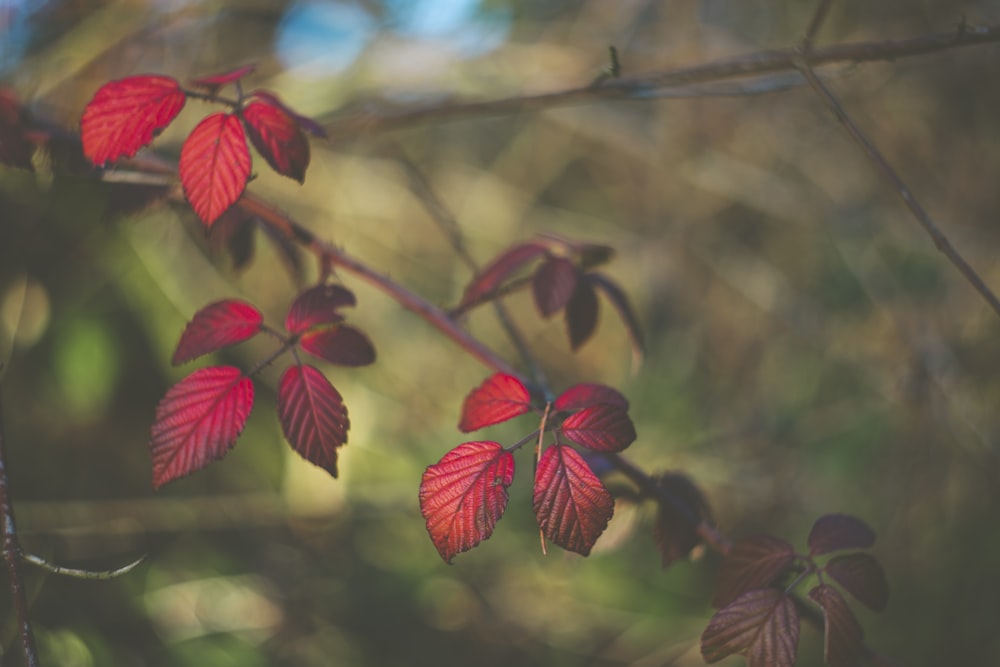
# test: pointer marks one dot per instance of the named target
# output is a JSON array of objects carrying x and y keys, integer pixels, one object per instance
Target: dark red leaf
[
  {"x": 762, "y": 624},
  {"x": 621, "y": 304},
  {"x": 500, "y": 269},
  {"x": 500, "y": 397},
  {"x": 233, "y": 233},
  {"x": 571, "y": 504},
  {"x": 861, "y": 576},
  {"x": 843, "y": 641},
  {"x": 125, "y": 115},
  {"x": 754, "y": 562},
  {"x": 313, "y": 416},
  {"x": 554, "y": 284},
  {"x": 593, "y": 255},
  {"x": 586, "y": 395},
  {"x": 318, "y": 305},
  {"x": 216, "y": 81},
  {"x": 216, "y": 326},
  {"x": 198, "y": 421},
  {"x": 15, "y": 149},
  {"x": 834, "y": 532},
  {"x": 277, "y": 136},
  {"x": 341, "y": 344},
  {"x": 673, "y": 531},
  {"x": 463, "y": 495},
  {"x": 581, "y": 314},
  {"x": 307, "y": 124},
  {"x": 603, "y": 428},
  {"x": 215, "y": 165}
]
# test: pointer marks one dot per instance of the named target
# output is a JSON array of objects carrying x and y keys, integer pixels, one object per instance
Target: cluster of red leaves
[
  {"x": 125, "y": 115},
  {"x": 201, "y": 416},
  {"x": 563, "y": 281},
  {"x": 463, "y": 495},
  {"x": 761, "y": 621}
]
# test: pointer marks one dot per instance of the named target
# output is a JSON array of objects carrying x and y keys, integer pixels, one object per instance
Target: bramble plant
[{"x": 577, "y": 433}]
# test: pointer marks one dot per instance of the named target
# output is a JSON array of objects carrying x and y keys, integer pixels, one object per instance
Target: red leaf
[
  {"x": 861, "y": 576},
  {"x": 216, "y": 81},
  {"x": 216, "y": 326},
  {"x": 843, "y": 641},
  {"x": 587, "y": 395},
  {"x": 761, "y": 624},
  {"x": 673, "y": 531},
  {"x": 463, "y": 495},
  {"x": 277, "y": 136},
  {"x": 318, "y": 305},
  {"x": 572, "y": 506},
  {"x": 198, "y": 421},
  {"x": 500, "y": 397},
  {"x": 215, "y": 165},
  {"x": 341, "y": 345},
  {"x": 603, "y": 428},
  {"x": 621, "y": 304},
  {"x": 307, "y": 124},
  {"x": 125, "y": 115},
  {"x": 581, "y": 314},
  {"x": 490, "y": 278},
  {"x": 15, "y": 149},
  {"x": 553, "y": 284},
  {"x": 754, "y": 562},
  {"x": 313, "y": 416},
  {"x": 834, "y": 532}
]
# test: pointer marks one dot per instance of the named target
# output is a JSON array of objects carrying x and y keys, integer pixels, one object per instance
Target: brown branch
[
  {"x": 653, "y": 85},
  {"x": 875, "y": 156},
  {"x": 12, "y": 557}
]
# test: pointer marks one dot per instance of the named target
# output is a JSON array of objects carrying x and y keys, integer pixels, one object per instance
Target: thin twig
[
  {"x": 12, "y": 557},
  {"x": 38, "y": 561},
  {"x": 817, "y": 22},
  {"x": 875, "y": 156}
]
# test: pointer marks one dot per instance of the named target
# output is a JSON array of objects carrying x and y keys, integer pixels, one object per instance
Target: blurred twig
[
  {"x": 12, "y": 557},
  {"x": 38, "y": 561}
]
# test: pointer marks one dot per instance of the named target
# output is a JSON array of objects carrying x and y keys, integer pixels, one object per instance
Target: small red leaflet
[
  {"x": 277, "y": 136},
  {"x": 341, "y": 344},
  {"x": 216, "y": 326},
  {"x": 500, "y": 397},
  {"x": 318, "y": 305},
  {"x": 125, "y": 115},
  {"x": 216, "y": 81},
  {"x": 501, "y": 268},
  {"x": 312, "y": 415},
  {"x": 198, "y": 421},
  {"x": 754, "y": 562},
  {"x": 603, "y": 428},
  {"x": 215, "y": 165},
  {"x": 553, "y": 284},
  {"x": 762, "y": 624},
  {"x": 585, "y": 395},
  {"x": 463, "y": 495},
  {"x": 571, "y": 504}
]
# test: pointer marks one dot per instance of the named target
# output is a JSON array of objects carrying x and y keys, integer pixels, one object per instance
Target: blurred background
[{"x": 809, "y": 351}]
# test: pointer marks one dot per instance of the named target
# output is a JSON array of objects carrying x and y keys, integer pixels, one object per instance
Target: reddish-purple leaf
[
  {"x": 603, "y": 428},
  {"x": 306, "y": 123},
  {"x": 233, "y": 233},
  {"x": 754, "y": 562},
  {"x": 277, "y": 136},
  {"x": 762, "y": 624},
  {"x": 216, "y": 81},
  {"x": 586, "y": 395},
  {"x": 198, "y": 421},
  {"x": 843, "y": 641},
  {"x": 215, "y": 165},
  {"x": 833, "y": 532},
  {"x": 313, "y": 416},
  {"x": 500, "y": 397},
  {"x": 581, "y": 313},
  {"x": 318, "y": 305},
  {"x": 463, "y": 495},
  {"x": 861, "y": 576},
  {"x": 621, "y": 304},
  {"x": 570, "y": 502},
  {"x": 15, "y": 149},
  {"x": 673, "y": 531},
  {"x": 216, "y": 326},
  {"x": 500, "y": 269},
  {"x": 553, "y": 284},
  {"x": 125, "y": 115},
  {"x": 341, "y": 344}
]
